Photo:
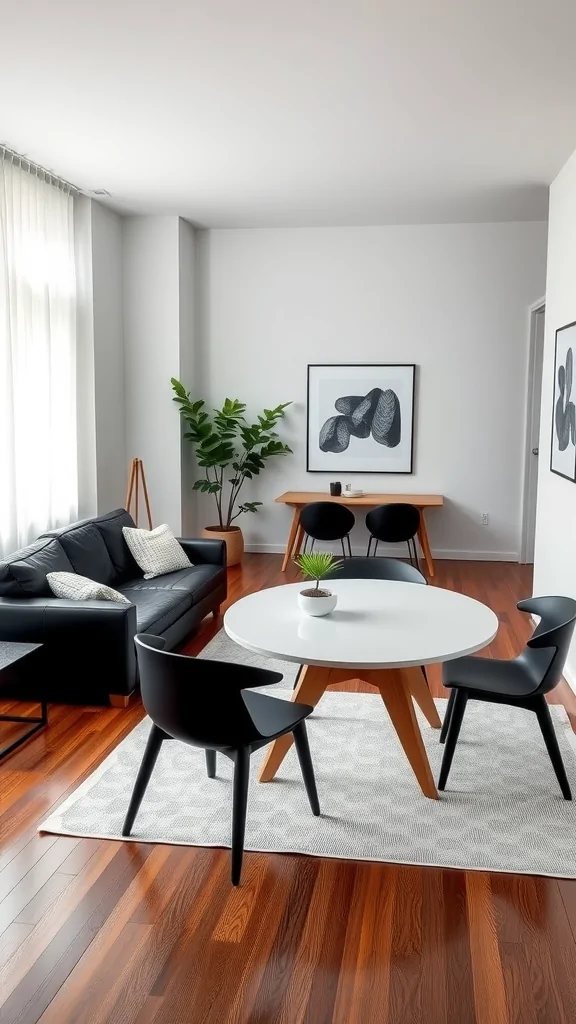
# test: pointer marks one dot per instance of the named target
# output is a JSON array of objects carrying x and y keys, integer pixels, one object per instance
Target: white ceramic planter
[{"x": 317, "y": 605}]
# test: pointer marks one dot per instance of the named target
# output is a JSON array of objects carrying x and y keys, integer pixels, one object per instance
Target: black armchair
[{"x": 209, "y": 704}]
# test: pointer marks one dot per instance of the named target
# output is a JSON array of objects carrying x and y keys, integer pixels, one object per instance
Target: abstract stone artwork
[
  {"x": 355, "y": 427},
  {"x": 563, "y": 447},
  {"x": 377, "y": 413}
]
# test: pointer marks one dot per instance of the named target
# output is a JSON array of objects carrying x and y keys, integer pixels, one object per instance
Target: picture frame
[
  {"x": 563, "y": 433},
  {"x": 360, "y": 418}
]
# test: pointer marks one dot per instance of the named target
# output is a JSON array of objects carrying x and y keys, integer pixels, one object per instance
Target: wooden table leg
[
  {"x": 425, "y": 544},
  {"x": 311, "y": 685},
  {"x": 291, "y": 537},
  {"x": 298, "y": 541},
  {"x": 396, "y": 695},
  {"x": 422, "y": 696}
]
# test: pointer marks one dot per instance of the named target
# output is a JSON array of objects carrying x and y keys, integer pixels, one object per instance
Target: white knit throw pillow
[
  {"x": 80, "y": 588},
  {"x": 156, "y": 551}
]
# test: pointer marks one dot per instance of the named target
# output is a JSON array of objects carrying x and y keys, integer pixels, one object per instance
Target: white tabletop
[{"x": 377, "y": 624}]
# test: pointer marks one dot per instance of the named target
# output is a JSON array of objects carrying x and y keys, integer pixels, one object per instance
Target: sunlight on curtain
[{"x": 38, "y": 461}]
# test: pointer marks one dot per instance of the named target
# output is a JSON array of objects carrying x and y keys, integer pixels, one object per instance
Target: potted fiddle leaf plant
[
  {"x": 317, "y": 565},
  {"x": 229, "y": 451}
]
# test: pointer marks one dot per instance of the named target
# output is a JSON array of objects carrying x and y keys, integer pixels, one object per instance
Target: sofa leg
[
  {"x": 118, "y": 700},
  {"x": 216, "y": 612}
]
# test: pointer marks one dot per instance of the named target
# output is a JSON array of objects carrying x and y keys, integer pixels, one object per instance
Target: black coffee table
[{"x": 10, "y": 654}]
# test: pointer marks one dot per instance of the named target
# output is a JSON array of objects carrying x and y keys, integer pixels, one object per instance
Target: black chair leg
[
  {"x": 239, "y": 804},
  {"x": 343, "y": 548},
  {"x": 447, "y": 716},
  {"x": 545, "y": 722},
  {"x": 155, "y": 741},
  {"x": 370, "y": 539},
  {"x": 460, "y": 701},
  {"x": 298, "y": 674},
  {"x": 305, "y": 759},
  {"x": 349, "y": 546},
  {"x": 211, "y": 763}
]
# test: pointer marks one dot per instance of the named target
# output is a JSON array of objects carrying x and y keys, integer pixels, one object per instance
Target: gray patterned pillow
[
  {"x": 79, "y": 588},
  {"x": 156, "y": 551}
]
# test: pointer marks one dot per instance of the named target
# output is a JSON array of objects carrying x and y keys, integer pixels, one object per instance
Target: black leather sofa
[{"x": 88, "y": 653}]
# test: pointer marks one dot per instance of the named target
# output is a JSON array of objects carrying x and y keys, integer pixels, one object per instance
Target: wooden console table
[{"x": 297, "y": 499}]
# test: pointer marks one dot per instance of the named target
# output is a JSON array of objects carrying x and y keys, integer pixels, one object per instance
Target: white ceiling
[{"x": 294, "y": 112}]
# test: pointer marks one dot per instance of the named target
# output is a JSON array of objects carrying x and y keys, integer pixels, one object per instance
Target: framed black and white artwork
[
  {"x": 360, "y": 417},
  {"x": 563, "y": 449}
]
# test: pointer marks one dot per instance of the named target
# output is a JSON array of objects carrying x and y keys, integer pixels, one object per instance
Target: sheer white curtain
[{"x": 38, "y": 460}]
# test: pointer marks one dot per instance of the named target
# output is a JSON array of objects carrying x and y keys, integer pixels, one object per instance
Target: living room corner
[{"x": 287, "y": 532}]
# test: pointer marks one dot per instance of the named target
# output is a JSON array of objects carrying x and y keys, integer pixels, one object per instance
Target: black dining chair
[
  {"x": 521, "y": 682},
  {"x": 210, "y": 704},
  {"x": 394, "y": 524},
  {"x": 326, "y": 520},
  {"x": 363, "y": 568}
]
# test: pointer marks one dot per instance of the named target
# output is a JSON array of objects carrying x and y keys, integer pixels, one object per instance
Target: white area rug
[{"x": 503, "y": 810}]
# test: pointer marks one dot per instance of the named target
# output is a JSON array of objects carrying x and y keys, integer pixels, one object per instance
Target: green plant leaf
[{"x": 316, "y": 565}]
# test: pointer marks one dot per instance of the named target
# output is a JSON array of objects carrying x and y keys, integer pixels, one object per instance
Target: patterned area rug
[{"x": 503, "y": 810}]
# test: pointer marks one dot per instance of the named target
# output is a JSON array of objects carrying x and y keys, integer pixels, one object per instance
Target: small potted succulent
[{"x": 316, "y": 566}]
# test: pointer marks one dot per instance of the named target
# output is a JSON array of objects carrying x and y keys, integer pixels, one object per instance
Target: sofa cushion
[
  {"x": 156, "y": 551},
  {"x": 86, "y": 551},
  {"x": 157, "y": 609},
  {"x": 73, "y": 587},
  {"x": 9, "y": 586},
  {"x": 29, "y": 569},
  {"x": 196, "y": 580},
  {"x": 110, "y": 528}
]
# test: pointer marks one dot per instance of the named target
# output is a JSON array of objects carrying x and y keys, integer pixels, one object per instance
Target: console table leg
[
  {"x": 425, "y": 544},
  {"x": 291, "y": 537}
]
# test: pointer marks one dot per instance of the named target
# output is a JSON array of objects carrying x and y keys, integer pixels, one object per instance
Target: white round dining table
[{"x": 381, "y": 632}]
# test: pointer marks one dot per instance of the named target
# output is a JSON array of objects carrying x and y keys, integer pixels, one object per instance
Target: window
[{"x": 38, "y": 460}]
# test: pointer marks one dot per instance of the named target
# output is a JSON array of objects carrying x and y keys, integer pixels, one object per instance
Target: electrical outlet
[{"x": 484, "y": 518}]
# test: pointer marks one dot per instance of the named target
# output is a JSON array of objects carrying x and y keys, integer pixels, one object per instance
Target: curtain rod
[{"x": 34, "y": 168}]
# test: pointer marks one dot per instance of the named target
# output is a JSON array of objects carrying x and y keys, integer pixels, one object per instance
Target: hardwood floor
[{"x": 114, "y": 933}]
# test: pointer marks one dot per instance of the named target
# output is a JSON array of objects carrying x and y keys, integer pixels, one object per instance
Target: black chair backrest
[
  {"x": 326, "y": 520},
  {"x": 197, "y": 700},
  {"x": 548, "y": 646},
  {"x": 357, "y": 568},
  {"x": 393, "y": 523}
]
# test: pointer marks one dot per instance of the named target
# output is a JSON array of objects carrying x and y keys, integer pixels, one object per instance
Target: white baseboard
[{"x": 394, "y": 552}]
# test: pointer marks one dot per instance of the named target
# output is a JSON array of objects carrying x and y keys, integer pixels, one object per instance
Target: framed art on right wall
[{"x": 563, "y": 447}]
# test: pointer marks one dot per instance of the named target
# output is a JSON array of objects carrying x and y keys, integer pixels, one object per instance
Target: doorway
[{"x": 536, "y": 358}]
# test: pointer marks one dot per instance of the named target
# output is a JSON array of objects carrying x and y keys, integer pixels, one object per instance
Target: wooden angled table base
[{"x": 397, "y": 687}]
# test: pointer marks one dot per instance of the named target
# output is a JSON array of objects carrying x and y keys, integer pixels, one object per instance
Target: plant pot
[
  {"x": 233, "y": 539},
  {"x": 319, "y": 605}
]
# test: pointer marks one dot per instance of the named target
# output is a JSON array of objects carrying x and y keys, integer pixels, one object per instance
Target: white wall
[
  {"x": 451, "y": 298},
  {"x": 110, "y": 427},
  {"x": 555, "y": 558},
  {"x": 188, "y": 362},
  {"x": 158, "y": 266}
]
